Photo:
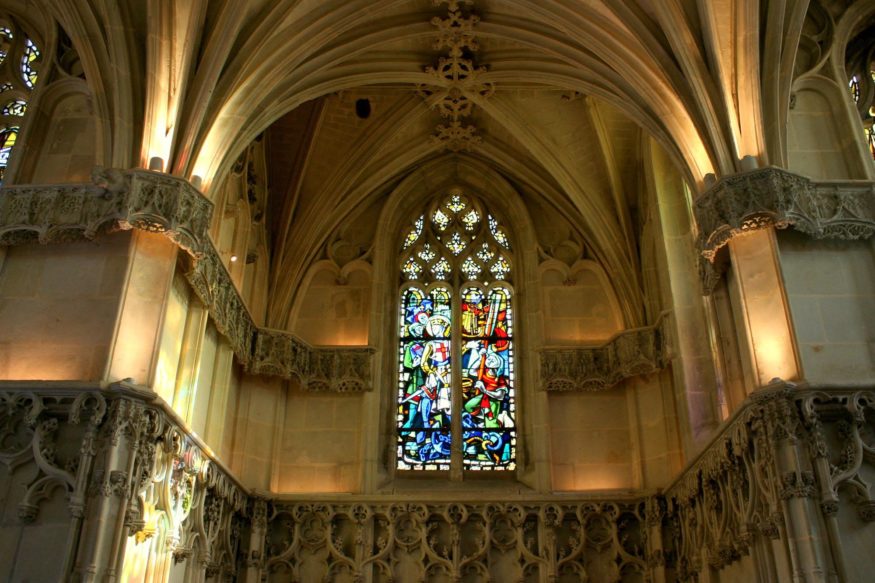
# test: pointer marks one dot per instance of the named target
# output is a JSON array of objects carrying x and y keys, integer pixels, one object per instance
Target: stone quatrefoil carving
[
  {"x": 772, "y": 197},
  {"x": 158, "y": 203}
]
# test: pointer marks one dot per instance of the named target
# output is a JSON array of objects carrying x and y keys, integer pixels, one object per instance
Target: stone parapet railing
[
  {"x": 773, "y": 197},
  {"x": 779, "y": 469},
  {"x": 630, "y": 353},
  {"x": 160, "y": 203},
  {"x": 318, "y": 369},
  {"x": 420, "y": 540},
  {"x": 778, "y": 494},
  {"x": 122, "y": 460}
]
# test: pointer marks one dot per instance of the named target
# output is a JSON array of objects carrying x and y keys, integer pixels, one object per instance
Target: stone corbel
[
  {"x": 773, "y": 197},
  {"x": 319, "y": 369},
  {"x": 631, "y": 353}
]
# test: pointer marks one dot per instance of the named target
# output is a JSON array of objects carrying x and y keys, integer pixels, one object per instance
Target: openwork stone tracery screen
[{"x": 456, "y": 307}]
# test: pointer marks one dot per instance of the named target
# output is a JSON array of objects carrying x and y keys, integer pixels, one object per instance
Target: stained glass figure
[
  {"x": 488, "y": 434},
  {"x": 456, "y": 245},
  {"x": 424, "y": 384}
]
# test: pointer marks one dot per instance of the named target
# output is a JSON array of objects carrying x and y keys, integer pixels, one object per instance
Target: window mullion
[{"x": 456, "y": 389}]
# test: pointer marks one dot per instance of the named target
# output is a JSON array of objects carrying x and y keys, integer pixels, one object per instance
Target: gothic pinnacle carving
[{"x": 456, "y": 85}]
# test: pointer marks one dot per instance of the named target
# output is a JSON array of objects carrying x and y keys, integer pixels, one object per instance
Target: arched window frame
[
  {"x": 481, "y": 418},
  {"x": 21, "y": 69}
]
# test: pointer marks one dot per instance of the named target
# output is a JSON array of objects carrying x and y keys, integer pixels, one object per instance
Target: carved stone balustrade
[
  {"x": 788, "y": 455},
  {"x": 117, "y": 200},
  {"x": 631, "y": 353},
  {"x": 159, "y": 203},
  {"x": 103, "y": 459},
  {"x": 318, "y": 368},
  {"x": 418, "y": 540},
  {"x": 773, "y": 197}
]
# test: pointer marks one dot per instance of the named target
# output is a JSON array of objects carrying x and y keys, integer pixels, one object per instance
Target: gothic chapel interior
[{"x": 376, "y": 291}]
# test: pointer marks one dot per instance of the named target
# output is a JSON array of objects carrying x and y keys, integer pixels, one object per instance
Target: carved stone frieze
[
  {"x": 773, "y": 197},
  {"x": 319, "y": 369},
  {"x": 116, "y": 200},
  {"x": 634, "y": 352}
]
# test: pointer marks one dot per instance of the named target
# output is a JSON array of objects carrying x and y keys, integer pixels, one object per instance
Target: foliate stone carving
[
  {"x": 635, "y": 352},
  {"x": 319, "y": 369},
  {"x": 772, "y": 197},
  {"x": 456, "y": 84},
  {"x": 116, "y": 200},
  {"x": 214, "y": 287}
]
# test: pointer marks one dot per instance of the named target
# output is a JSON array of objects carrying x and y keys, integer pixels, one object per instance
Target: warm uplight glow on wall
[{"x": 769, "y": 332}]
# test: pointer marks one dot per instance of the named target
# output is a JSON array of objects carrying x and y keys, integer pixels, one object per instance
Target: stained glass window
[
  {"x": 447, "y": 415},
  {"x": 21, "y": 58}
]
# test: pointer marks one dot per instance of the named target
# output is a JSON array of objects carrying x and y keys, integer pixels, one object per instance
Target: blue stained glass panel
[{"x": 424, "y": 382}]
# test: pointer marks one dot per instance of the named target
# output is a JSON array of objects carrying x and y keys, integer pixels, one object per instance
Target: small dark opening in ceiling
[{"x": 363, "y": 108}]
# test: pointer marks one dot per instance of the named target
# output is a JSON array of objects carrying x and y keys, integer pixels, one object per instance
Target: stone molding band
[
  {"x": 773, "y": 197},
  {"x": 788, "y": 452},
  {"x": 160, "y": 203},
  {"x": 635, "y": 352}
]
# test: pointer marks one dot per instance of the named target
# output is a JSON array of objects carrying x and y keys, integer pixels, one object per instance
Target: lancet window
[
  {"x": 20, "y": 59},
  {"x": 456, "y": 400}
]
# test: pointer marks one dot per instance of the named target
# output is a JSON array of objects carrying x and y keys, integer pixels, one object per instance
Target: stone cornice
[
  {"x": 159, "y": 203},
  {"x": 772, "y": 197},
  {"x": 631, "y": 353}
]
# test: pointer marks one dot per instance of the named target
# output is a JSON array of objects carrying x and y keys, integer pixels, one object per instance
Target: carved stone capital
[
  {"x": 634, "y": 352},
  {"x": 773, "y": 197}
]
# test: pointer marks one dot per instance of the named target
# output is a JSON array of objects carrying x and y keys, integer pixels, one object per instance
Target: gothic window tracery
[
  {"x": 456, "y": 306},
  {"x": 20, "y": 60}
]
